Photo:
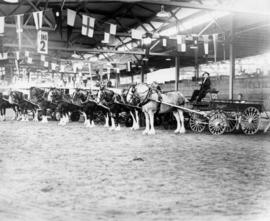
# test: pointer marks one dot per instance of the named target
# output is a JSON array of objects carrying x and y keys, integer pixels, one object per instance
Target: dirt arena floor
[{"x": 73, "y": 173}]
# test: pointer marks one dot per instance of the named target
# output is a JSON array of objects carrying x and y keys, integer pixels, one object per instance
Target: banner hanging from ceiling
[{"x": 42, "y": 42}]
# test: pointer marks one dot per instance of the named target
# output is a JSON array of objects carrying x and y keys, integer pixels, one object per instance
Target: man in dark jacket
[{"x": 198, "y": 95}]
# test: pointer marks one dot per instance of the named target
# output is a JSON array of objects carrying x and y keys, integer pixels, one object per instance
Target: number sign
[{"x": 42, "y": 42}]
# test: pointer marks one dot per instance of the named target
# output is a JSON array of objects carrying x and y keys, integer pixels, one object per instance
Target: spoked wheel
[
  {"x": 217, "y": 123},
  {"x": 197, "y": 123},
  {"x": 250, "y": 120},
  {"x": 231, "y": 124}
]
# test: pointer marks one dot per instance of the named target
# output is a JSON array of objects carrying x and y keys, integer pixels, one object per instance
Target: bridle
[{"x": 146, "y": 99}]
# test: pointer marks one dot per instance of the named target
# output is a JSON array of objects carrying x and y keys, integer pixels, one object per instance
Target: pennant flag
[
  {"x": 53, "y": 65},
  {"x": 107, "y": 37},
  {"x": 19, "y": 29},
  {"x": 42, "y": 57},
  {"x": 88, "y": 24},
  {"x": 110, "y": 29},
  {"x": 27, "y": 53},
  {"x": 3, "y": 56},
  {"x": 38, "y": 19},
  {"x": 164, "y": 42},
  {"x": 2, "y": 25},
  {"x": 71, "y": 16},
  {"x": 135, "y": 34},
  {"x": 46, "y": 63},
  {"x": 206, "y": 44},
  {"x": 215, "y": 36},
  {"x": 62, "y": 68},
  {"x": 181, "y": 42},
  {"x": 29, "y": 60}
]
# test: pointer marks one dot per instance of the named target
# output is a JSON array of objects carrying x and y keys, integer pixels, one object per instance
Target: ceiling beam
[{"x": 206, "y": 6}]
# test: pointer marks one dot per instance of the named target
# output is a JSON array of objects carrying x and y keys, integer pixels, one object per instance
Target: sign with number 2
[{"x": 42, "y": 42}]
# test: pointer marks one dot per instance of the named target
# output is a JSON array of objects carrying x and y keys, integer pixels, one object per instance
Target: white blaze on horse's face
[
  {"x": 10, "y": 98},
  {"x": 50, "y": 96},
  {"x": 129, "y": 95},
  {"x": 99, "y": 96}
]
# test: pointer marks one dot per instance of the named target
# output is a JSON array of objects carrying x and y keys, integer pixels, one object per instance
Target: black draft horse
[
  {"x": 18, "y": 98},
  {"x": 40, "y": 97},
  {"x": 89, "y": 106},
  {"x": 116, "y": 104},
  {"x": 4, "y": 104},
  {"x": 65, "y": 105}
]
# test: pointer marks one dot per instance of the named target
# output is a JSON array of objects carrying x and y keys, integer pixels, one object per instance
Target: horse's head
[
  {"x": 37, "y": 94},
  {"x": 138, "y": 93},
  {"x": 54, "y": 94},
  {"x": 80, "y": 95},
  {"x": 15, "y": 97}
]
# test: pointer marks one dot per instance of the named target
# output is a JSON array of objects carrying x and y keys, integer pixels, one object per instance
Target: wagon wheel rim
[
  {"x": 250, "y": 120},
  {"x": 217, "y": 123},
  {"x": 196, "y": 123}
]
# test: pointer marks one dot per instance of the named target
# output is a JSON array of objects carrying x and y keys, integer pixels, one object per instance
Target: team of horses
[{"x": 108, "y": 102}]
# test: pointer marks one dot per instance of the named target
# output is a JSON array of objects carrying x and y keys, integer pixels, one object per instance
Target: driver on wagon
[{"x": 198, "y": 95}]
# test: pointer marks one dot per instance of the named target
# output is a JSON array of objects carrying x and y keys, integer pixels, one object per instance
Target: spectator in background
[
  {"x": 205, "y": 85},
  {"x": 240, "y": 98}
]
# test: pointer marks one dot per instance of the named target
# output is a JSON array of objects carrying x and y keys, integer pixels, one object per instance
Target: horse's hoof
[
  {"x": 118, "y": 128},
  {"x": 182, "y": 131},
  {"x": 112, "y": 129},
  {"x": 145, "y": 132},
  {"x": 176, "y": 131},
  {"x": 152, "y": 132}
]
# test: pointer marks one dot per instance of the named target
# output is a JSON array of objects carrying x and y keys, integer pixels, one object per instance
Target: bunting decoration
[
  {"x": 38, "y": 19},
  {"x": 71, "y": 16},
  {"x": 19, "y": 29},
  {"x": 206, "y": 44},
  {"x": 110, "y": 29},
  {"x": 88, "y": 24},
  {"x": 181, "y": 43},
  {"x": 53, "y": 66},
  {"x": 17, "y": 54},
  {"x": 3, "y": 56},
  {"x": 46, "y": 64},
  {"x": 42, "y": 57},
  {"x": 164, "y": 42},
  {"x": 2, "y": 25}
]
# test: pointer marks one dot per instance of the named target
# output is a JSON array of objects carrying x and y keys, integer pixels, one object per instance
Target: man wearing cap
[{"x": 198, "y": 95}]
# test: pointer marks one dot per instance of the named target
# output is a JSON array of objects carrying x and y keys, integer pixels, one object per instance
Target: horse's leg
[
  {"x": 1, "y": 113},
  {"x": 133, "y": 121},
  {"x": 182, "y": 121},
  {"x": 35, "y": 117},
  {"x": 106, "y": 120},
  {"x": 118, "y": 127},
  {"x": 26, "y": 115},
  {"x": 91, "y": 120},
  {"x": 137, "y": 126},
  {"x": 152, "y": 128},
  {"x": 113, "y": 122},
  {"x": 147, "y": 126},
  {"x": 84, "y": 116},
  {"x": 177, "y": 118}
]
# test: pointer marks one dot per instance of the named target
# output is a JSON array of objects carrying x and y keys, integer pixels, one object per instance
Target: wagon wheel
[
  {"x": 217, "y": 123},
  {"x": 250, "y": 120},
  {"x": 197, "y": 123},
  {"x": 231, "y": 124}
]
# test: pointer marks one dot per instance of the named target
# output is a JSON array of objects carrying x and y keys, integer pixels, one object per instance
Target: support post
[
  {"x": 142, "y": 73},
  {"x": 177, "y": 71},
  {"x": 196, "y": 63},
  {"x": 132, "y": 77},
  {"x": 232, "y": 58}
]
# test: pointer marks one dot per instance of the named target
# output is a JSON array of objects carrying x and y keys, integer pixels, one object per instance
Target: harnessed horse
[
  {"x": 89, "y": 106},
  {"x": 40, "y": 97},
  {"x": 4, "y": 104},
  {"x": 149, "y": 100},
  {"x": 17, "y": 98},
  {"x": 116, "y": 104}
]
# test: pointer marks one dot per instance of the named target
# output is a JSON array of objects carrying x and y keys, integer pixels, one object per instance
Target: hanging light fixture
[{"x": 163, "y": 13}]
